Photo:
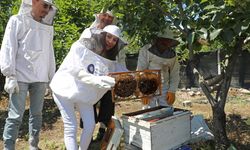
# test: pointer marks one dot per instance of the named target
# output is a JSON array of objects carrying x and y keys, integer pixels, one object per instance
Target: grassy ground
[{"x": 237, "y": 109}]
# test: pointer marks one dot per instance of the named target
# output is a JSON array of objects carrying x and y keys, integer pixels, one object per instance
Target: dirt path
[{"x": 51, "y": 138}]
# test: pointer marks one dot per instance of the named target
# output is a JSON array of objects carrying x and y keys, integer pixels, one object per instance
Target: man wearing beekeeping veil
[
  {"x": 161, "y": 55},
  {"x": 27, "y": 61}
]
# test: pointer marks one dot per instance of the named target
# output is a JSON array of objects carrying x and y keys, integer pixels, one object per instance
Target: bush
[{"x": 72, "y": 18}]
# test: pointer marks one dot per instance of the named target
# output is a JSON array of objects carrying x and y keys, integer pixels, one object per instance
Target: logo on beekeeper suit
[{"x": 91, "y": 68}]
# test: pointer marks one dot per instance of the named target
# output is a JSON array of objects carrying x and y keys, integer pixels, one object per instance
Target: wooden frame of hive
[{"x": 137, "y": 94}]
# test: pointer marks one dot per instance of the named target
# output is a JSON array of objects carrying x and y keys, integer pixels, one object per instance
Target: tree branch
[
  {"x": 229, "y": 70},
  {"x": 205, "y": 88},
  {"x": 168, "y": 14},
  {"x": 215, "y": 80},
  {"x": 208, "y": 94}
]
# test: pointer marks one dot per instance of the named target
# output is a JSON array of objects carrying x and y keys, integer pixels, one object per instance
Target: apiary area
[{"x": 157, "y": 128}]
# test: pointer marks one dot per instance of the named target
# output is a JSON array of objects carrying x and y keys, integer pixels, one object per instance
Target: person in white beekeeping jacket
[
  {"x": 83, "y": 78},
  {"x": 102, "y": 19},
  {"x": 27, "y": 60},
  {"x": 107, "y": 106},
  {"x": 161, "y": 55}
]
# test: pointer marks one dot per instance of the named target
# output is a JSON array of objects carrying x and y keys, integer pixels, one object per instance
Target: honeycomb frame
[{"x": 136, "y": 94}]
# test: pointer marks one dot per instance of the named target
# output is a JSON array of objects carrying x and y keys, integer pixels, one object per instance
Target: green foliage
[
  {"x": 232, "y": 147},
  {"x": 5, "y": 13},
  {"x": 247, "y": 46},
  {"x": 211, "y": 20},
  {"x": 229, "y": 20},
  {"x": 219, "y": 20},
  {"x": 215, "y": 21},
  {"x": 182, "y": 53},
  {"x": 140, "y": 20},
  {"x": 72, "y": 18},
  {"x": 16, "y": 6},
  {"x": 214, "y": 46}
]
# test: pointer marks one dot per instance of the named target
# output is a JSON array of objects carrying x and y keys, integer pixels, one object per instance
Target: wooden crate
[
  {"x": 157, "y": 133},
  {"x": 112, "y": 136}
]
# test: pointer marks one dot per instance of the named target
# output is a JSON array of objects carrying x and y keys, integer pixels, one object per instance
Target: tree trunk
[
  {"x": 219, "y": 101},
  {"x": 219, "y": 124}
]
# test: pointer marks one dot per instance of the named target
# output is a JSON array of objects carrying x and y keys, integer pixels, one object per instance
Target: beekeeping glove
[
  {"x": 145, "y": 100},
  {"x": 11, "y": 85},
  {"x": 105, "y": 82},
  {"x": 170, "y": 98}
]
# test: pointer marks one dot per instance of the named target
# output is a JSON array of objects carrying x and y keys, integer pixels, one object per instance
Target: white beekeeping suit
[
  {"x": 101, "y": 20},
  {"x": 27, "y": 50},
  {"x": 87, "y": 34},
  {"x": 82, "y": 79},
  {"x": 169, "y": 67},
  {"x": 48, "y": 19},
  {"x": 28, "y": 62},
  {"x": 85, "y": 64}
]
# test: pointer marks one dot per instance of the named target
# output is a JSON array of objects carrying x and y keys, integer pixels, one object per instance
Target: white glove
[
  {"x": 105, "y": 82},
  {"x": 11, "y": 85}
]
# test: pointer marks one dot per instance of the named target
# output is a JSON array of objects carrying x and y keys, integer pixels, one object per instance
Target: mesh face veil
[
  {"x": 26, "y": 7},
  {"x": 97, "y": 21}
]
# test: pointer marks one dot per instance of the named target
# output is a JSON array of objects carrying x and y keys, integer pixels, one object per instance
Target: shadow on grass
[
  {"x": 3, "y": 115},
  {"x": 238, "y": 132},
  {"x": 50, "y": 115}
]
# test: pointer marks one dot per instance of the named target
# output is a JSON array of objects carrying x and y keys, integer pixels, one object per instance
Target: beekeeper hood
[
  {"x": 97, "y": 19},
  {"x": 170, "y": 35},
  {"x": 26, "y": 7},
  {"x": 96, "y": 41},
  {"x": 116, "y": 31}
]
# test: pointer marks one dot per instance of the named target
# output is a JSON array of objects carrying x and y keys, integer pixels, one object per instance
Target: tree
[
  {"x": 198, "y": 22},
  {"x": 230, "y": 25}
]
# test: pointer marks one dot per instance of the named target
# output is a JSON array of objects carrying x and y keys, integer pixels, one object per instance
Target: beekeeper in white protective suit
[
  {"x": 106, "y": 105},
  {"x": 102, "y": 19},
  {"x": 161, "y": 55},
  {"x": 27, "y": 60},
  {"x": 83, "y": 78}
]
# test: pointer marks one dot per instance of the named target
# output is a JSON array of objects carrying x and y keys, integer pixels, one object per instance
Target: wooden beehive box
[
  {"x": 136, "y": 85},
  {"x": 112, "y": 136},
  {"x": 157, "y": 132}
]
